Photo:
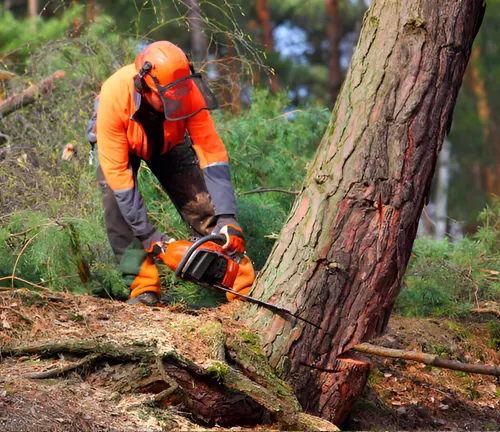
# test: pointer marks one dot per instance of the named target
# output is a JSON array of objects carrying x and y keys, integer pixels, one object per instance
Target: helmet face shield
[{"x": 185, "y": 97}]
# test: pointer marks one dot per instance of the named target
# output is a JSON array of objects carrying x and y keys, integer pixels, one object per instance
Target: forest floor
[{"x": 400, "y": 395}]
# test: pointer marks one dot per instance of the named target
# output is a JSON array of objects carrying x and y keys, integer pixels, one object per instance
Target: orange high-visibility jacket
[{"x": 119, "y": 134}]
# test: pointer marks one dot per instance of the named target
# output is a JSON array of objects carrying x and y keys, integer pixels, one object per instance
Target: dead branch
[
  {"x": 22, "y": 316},
  {"x": 21, "y": 280},
  {"x": 29, "y": 95},
  {"x": 486, "y": 311},
  {"x": 429, "y": 359},
  {"x": 53, "y": 373},
  {"x": 262, "y": 190}
]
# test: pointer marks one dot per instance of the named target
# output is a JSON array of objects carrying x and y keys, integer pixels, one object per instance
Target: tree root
[
  {"x": 53, "y": 373},
  {"x": 214, "y": 392}
]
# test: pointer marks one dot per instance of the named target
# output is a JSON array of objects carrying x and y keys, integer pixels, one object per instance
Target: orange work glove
[
  {"x": 228, "y": 226},
  {"x": 244, "y": 280},
  {"x": 155, "y": 242}
]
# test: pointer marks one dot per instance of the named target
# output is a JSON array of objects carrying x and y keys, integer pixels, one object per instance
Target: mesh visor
[{"x": 186, "y": 97}]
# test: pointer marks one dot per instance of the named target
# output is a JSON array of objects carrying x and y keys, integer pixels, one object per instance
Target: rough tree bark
[
  {"x": 333, "y": 33},
  {"x": 345, "y": 246}
]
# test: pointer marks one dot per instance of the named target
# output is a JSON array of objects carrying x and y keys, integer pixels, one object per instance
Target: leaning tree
[{"x": 346, "y": 244}]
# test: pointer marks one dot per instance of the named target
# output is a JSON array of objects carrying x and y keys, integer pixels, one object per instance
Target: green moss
[
  {"x": 375, "y": 377},
  {"x": 456, "y": 328},
  {"x": 416, "y": 23},
  {"x": 494, "y": 329},
  {"x": 282, "y": 367},
  {"x": 252, "y": 341},
  {"x": 218, "y": 371},
  {"x": 211, "y": 329}
]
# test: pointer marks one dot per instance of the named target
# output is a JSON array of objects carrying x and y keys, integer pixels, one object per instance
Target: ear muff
[{"x": 139, "y": 82}]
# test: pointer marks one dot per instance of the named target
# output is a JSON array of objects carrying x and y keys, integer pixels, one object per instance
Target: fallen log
[
  {"x": 29, "y": 95},
  {"x": 429, "y": 359},
  {"x": 486, "y": 311}
]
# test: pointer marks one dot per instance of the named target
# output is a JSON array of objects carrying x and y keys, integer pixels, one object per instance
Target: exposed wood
[
  {"x": 344, "y": 249},
  {"x": 29, "y": 95},
  {"x": 262, "y": 8},
  {"x": 429, "y": 359}
]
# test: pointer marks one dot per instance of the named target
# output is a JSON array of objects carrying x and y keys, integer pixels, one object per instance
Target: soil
[
  {"x": 400, "y": 395},
  {"x": 406, "y": 395}
]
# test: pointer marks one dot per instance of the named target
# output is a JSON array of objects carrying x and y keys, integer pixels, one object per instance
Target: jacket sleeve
[
  {"x": 113, "y": 153},
  {"x": 214, "y": 162}
]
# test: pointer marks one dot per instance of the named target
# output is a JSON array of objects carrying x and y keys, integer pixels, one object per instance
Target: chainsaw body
[{"x": 202, "y": 261}]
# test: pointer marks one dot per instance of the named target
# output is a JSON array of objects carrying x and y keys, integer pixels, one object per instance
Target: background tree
[{"x": 344, "y": 248}]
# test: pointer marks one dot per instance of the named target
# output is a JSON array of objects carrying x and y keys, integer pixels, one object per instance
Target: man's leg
[
  {"x": 180, "y": 174},
  {"x": 138, "y": 268}
]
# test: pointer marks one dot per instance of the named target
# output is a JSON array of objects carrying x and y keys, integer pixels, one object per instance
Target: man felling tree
[{"x": 157, "y": 110}]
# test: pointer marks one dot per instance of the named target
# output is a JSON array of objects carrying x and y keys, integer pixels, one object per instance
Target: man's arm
[
  {"x": 214, "y": 162},
  {"x": 113, "y": 153}
]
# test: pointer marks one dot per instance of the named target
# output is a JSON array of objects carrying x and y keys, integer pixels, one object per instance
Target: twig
[
  {"x": 429, "y": 359},
  {"x": 24, "y": 317},
  {"x": 52, "y": 373},
  {"x": 262, "y": 190},
  {"x": 485, "y": 310},
  {"x": 23, "y": 232},
  {"x": 19, "y": 256},
  {"x": 22, "y": 280}
]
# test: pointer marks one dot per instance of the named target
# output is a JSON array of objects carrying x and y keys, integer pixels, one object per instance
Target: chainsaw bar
[{"x": 271, "y": 307}]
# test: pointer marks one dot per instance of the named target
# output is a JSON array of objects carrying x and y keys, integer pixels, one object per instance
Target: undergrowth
[
  {"x": 446, "y": 279},
  {"x": 51, "y": 227}
]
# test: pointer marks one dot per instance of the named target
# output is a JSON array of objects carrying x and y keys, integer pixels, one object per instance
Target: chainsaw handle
[{"x": 193, "y": 247}]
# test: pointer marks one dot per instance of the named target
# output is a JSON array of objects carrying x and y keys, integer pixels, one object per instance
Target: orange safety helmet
[{"x": 164, "y": 68}]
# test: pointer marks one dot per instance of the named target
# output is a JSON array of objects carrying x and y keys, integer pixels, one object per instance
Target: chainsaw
[{"x": 208, "y": 265}]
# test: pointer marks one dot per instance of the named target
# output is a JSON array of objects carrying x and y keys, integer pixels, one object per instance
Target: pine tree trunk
[
  {"x": 333, "y": 33},
  {"x": 344, "y": 249},
  {"x": 32, "y": 9},
  {"x": 267, "y": 37},
  {"x": 443, "y": 182},
  {"x": 199, "y": 40}
]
